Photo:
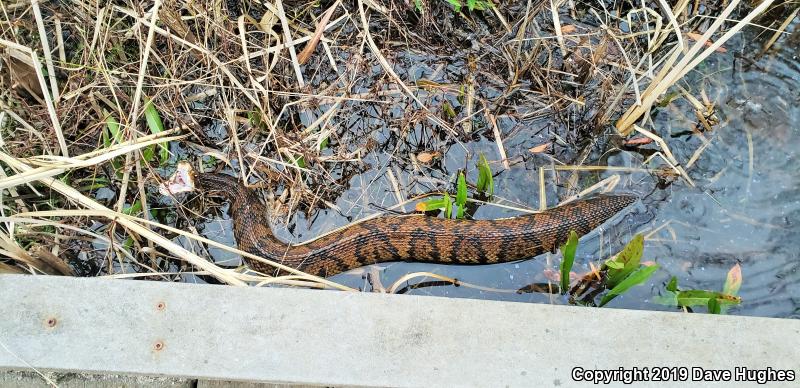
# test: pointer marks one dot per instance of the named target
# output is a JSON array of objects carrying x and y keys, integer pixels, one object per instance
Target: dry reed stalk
[
  {"x": 777, "y": 34},
  {"x": 312, "y": 44},
  {"x": 288, "y": 36},
  {"x": 74, "y": 195},
  {"x": 381, "y": 59},
  {"x": 52, "y": 166},
  {"x": 48, "y": 57},
  {"x": 669, "y": 75},
  {"x": 51, "y": 110},
  {"x": 116, "y": 216}
]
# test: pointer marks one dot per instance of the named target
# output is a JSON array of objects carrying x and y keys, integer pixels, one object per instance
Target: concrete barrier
[{"x": 359, "y": 339}]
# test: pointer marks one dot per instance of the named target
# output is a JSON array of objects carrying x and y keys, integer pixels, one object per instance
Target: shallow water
[{"x": 744, "y": 209}]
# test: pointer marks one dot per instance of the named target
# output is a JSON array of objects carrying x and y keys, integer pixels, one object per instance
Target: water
[{"x": 744, "y": 209}]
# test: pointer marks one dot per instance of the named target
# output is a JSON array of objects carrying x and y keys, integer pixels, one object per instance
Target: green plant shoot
[
  {"x": 112, "y": 135},
  {"x": 154, "y": 123},
  {"x": 693, "y": 298},
  {"x": 638, "y": 277},
  {"x": 431, "y": 205},
  {"x": 461, "y": 195},
  {"x": 625, "y": 262},
  {"x": 456, "y": 5},
  {"x": 568, "y": 252},
  {"x": 448, "y": 206},
  {"x": 485, "y": 183}
]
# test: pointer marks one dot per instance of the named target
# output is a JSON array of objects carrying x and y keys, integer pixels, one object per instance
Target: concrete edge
[{"x": 357, "y": 339}]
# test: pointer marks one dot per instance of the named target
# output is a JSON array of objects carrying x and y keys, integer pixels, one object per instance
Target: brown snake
[{"x": 417, "y": 238}]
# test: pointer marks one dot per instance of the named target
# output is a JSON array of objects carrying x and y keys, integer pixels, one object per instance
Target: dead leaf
[
  {"x": 699, "y": 37},
  {"x": 539, "y": 148},
  {"x": 427, "y": 157},
  {"x": 568, "y": 28},
  {"x": 23, "y": 75},
  {"x": 638, "y": 141},
  {"x": 734, "y": 280}
]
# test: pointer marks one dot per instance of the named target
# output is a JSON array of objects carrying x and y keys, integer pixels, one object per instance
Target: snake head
[{"x": 182, "y": 181}]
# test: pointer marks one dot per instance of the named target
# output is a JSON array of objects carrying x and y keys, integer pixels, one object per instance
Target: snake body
[{"x": 416, "y": 238}]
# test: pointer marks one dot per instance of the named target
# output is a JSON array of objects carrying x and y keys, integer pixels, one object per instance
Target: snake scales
[{"x": 415, "y": 238}]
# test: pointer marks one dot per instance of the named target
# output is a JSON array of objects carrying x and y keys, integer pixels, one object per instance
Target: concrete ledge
[
  {"x": 358, "y": 339},
  {"x": 17, "y": 379}
]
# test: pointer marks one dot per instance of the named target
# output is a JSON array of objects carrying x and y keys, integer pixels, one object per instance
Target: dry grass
[{"x": 234, "y": 94}]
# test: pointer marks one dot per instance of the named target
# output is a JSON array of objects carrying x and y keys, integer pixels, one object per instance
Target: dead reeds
[{"x": 374, "y": 84}]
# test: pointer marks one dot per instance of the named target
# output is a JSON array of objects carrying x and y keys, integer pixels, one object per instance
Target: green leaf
[
  {"x": 485, "y": 183},
  {"x": 672, "y": 286},
  {"x": 568, "y": 252},
  {"x": 694, "y": 298},
  {"x": 483, "y": 5},
  {"x": 448, "y": 206},
  {"x": 667, "y": 98},
  {"x": 255, "y": 119},
  {"x": 668, "y": 299},
  {"x": 430, "y": 205},
  {"x": 471, "y": 4},
  {"x": 300, "y": 162},
  {"x": 456, "y": 5},
  {"x": 154, "y": 123},
  {"x": 148, "y": 153},
  {"x": 461, "y": 189},
  {"x": 112, "y": 129},
  {"x": 134, "y": 209},
  {"x": 112, "y": 135},
  {"x": 153, "y": 118},
  {"x": 636, "y": 278},
  {"x": 713, "y": 306},
  {"x": 208, "y": 162},
  {"x": 449, "y": 113},
  {"x": 106, "y": 137},
  {"x": 614, "y": 264},
  {"x": 460, "y": 212},
  {"x": 324, "y": 144},
  {"x": 629, "y": 257},
  {"x": 691, "y": 298},
  {"x": 418, "y": 4},
  {"x": 128, "y": 244}
]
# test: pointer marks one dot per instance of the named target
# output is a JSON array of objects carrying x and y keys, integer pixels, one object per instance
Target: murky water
[{"x": 744, "y": 209}]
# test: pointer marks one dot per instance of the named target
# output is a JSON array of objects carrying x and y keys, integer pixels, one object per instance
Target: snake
[{"x": 390, "y": 238}]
